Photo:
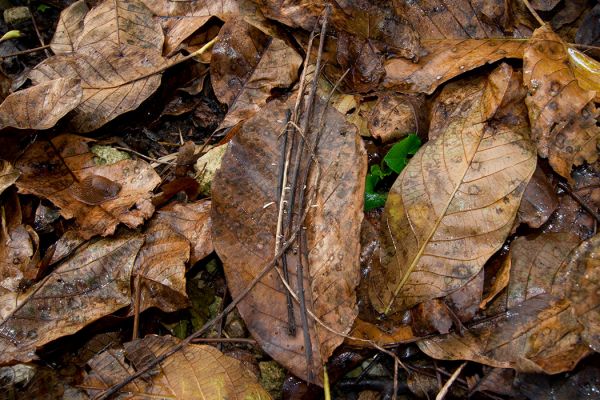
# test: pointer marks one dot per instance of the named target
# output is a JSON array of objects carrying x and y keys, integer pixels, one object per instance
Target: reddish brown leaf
[
  {"x": 244, "y": 234},
  {"x": 539, "y": 200}
]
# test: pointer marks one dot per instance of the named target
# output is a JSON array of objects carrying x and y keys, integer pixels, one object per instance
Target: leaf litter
[{"x": 385, "y": 174}]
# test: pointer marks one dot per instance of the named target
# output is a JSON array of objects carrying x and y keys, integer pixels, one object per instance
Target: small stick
[
  {"x": 20, "y": 53},
  {"x": 225, "y": 340},
  {"x": 37, "y": 32},
  {"x": 578, "y": 198},
  {"x": 534, "y": 13},
  {"x": 136, "y": 305},
  {"x": 446, "y": 387}
]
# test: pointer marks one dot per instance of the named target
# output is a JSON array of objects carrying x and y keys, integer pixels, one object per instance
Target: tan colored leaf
[
  {"x": 52, "y": 170},
  {"x": 8, "y": 175},
  {"x": 244, "y": 235},
  {"x": 195, "y": 372},
  {"x": 562, "y": 114},
  {"x": 392, "y": 118},
  {"x": 69, "y": 28},
  {"x": 18, "y": 245},
  {"x": 446, "y": 59},
  {"x": 191, "y": 220},
  {"x": 115, "y": 79},
  {"x": 454, "y": 204},
  {"x": 121, "y": 22},
  {"x": 94, "y": 282},
  {"x": 160, "y": 269},
  {"x": 41, "y": 106},
  {"x": 246, "y": 65}
]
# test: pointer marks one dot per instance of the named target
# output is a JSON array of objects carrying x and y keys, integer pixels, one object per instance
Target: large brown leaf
[
  {"x": 244, "y": 228},
  {"x": 94, "y": 282},
  {"x": 195, "y": 372},
  {"x": 69, "y": 28},
  {"x": 246, "y": 65},
  {"x": 66, "y": 173},
  {"x": 454, "y": 204},
  {"x": 562, "y": 114},
  {"x": 41, "y": 106}
]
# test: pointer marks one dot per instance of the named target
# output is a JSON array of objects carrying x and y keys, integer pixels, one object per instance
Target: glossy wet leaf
[
  {"x": 397, "y": 157},
  {"x": 196, "y": 371},
  {"x": 246, "y": 66},
  {"x": 244, "y": 226},
  {"x": 562, "y": 113},
  {"x": 473, "y": 172},
  {"x": 58, "y": 171},
  {"x": 41, "y": 106},
  {"x": 92, "y": 283}
]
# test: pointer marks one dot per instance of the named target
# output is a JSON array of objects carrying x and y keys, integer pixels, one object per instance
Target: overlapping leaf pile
[{"x": 481, "y": 247}]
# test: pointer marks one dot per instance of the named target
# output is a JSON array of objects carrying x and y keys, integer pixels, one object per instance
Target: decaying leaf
[
  {"x": 58, "y": 171},
  {"x": 539, "y": 200},
  {"x": 363, "y": 62},
  {"x": 41, "y": 106},
  {"x": 8, "y": 175},
  {"x": 69, "y": 28},
  {"x": 94, "y": 282},
  {"x": 548, "y": 326},
  {"x": 244, "y": 227},
  {"x": 246, "y": 65},
  {"x": 562, "y": 113},
  {"x": 454, "y": 204},
  {"x": 393, "y": 117},
  {"x": 192, "y": 220},
  {"x": 446, "y": 59},
  {"x": 159, "y": 271},
  {"x": 196, "y": 371}
]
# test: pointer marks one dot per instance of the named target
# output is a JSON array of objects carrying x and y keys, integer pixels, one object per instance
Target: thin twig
[
  {"x": 449, "y": 382},
  {"x": 578, "y": 198},
  {"x": 154, "y": 160},
  {"x": 39, "y": 36},
  {"x": 136, "y": 305},
  {"x": 224, "y": 340},
  {"x": 20, "y": 53},
  {"x": 533, "y": 12}
]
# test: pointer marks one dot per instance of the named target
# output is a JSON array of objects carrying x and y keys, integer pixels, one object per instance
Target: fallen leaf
[
  {"x": 244, "y": 234},
  {"x": 562, "y": 114},
  {"x": 246, "y": 65},
  {"x": 53, "y": 170},
  {"x": 361, "y": 59},
  {"x": 539, "y": 200},
  {"x": 41, "y": 106},
  {"x": 368, "y": 331},
  {"x": 209, "y": 374},
  {"x": 475, "y": 170},
  {"x": 393, "y": 117},
  {"x": 8, "y": 175},
  {"x": 94, "y": 282},
  {"x": 446, "y": 59},
  {"x": 69, "y": 28},
  {"x": 159, "y": 270},
  {"x": 206, "y": 167},
  {"x": 192, "y": 220},
  {"x": 586, "y": 70}
]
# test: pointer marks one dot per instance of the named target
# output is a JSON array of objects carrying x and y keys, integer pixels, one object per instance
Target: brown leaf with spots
[
  {"x": 92, "y": 283},
  {"x": 244, "y": 228},
  {"x": 41, "y": 106},
  {"x": 393, "y": 117},
  {"x": 562, "y": 114},
  {"x": 454, "y": 204},
  {"x": 8, "y": 175},
  {"x": 69, "y": 28},
  {"x": 246, "y": 65},
  {"x": 58, "y": 171},
  {"x": 194, "y": 372},
  {"x": 192, "y": 220}
]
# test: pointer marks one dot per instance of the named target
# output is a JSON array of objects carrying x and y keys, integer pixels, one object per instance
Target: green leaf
[
  {"x": 397, "y": 156},
  {"x": 43, "y": 7},
  {"x": 374, "y": 200}
]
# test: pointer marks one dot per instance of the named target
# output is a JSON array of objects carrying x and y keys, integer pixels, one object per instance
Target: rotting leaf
[
  {"x": 58, "y": 171},
  {"x": 69, "y": 28},
  {"x": 446, "y": 59},
  {"x": 8, "y": 175},
  {"x": 212, "y": 375},
  {"x": 393, "y": 117},
  {"x": 94, "y": 282},
  {"x": 562, "y": 113},
  {"x": 41, "y": 106},
  {"x": 539, "y": 200},
  {"x": 475, "y": 170},
  {"x": 192, "y": 220},
  {"x": 246, "y": 65},
  {"x": 244, "y": 227}
]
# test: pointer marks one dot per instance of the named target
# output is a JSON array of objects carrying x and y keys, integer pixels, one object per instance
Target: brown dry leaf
[
  {"x": 121, "y": 22},
  {"x": 244, "y": 227},
  {"x": 246, "y": 65},
  {"x": 392, "y": 118},
  {"x": 556, "y": 321},
  {"x": 446, "y": 59},
  {"x": 69, "y": 28},
  {"x": 194, "y": 372},
  {"x": 562, "y": 114},
  {"x": 364, "y": 63},
  {"x": 454, "y": 204},
  {"x": 94, "y": 282},
  {"x": 368, "y": 331},
  {"x": 41, "y": 106},
  {"x": 192, "y": 220},
  {"x": 8, "y": 175},
  {"x": 49, "y": 175},
  {"x": 539, "y": 200},
  {"x": 160, "y": 269}
]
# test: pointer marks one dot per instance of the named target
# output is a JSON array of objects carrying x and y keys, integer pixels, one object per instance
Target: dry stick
[
  {"x": 37, "y": 32},
  {"x": 136, "y": 305},
  {"x": 534, "y": 13},
  {"x": 266, "y": 268},
  {"x": 20, "y": 53},
  {"x": 446, "y": 387},
  {"x": 225, "y": 340},
  {"x": 581, "y": 201}
]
